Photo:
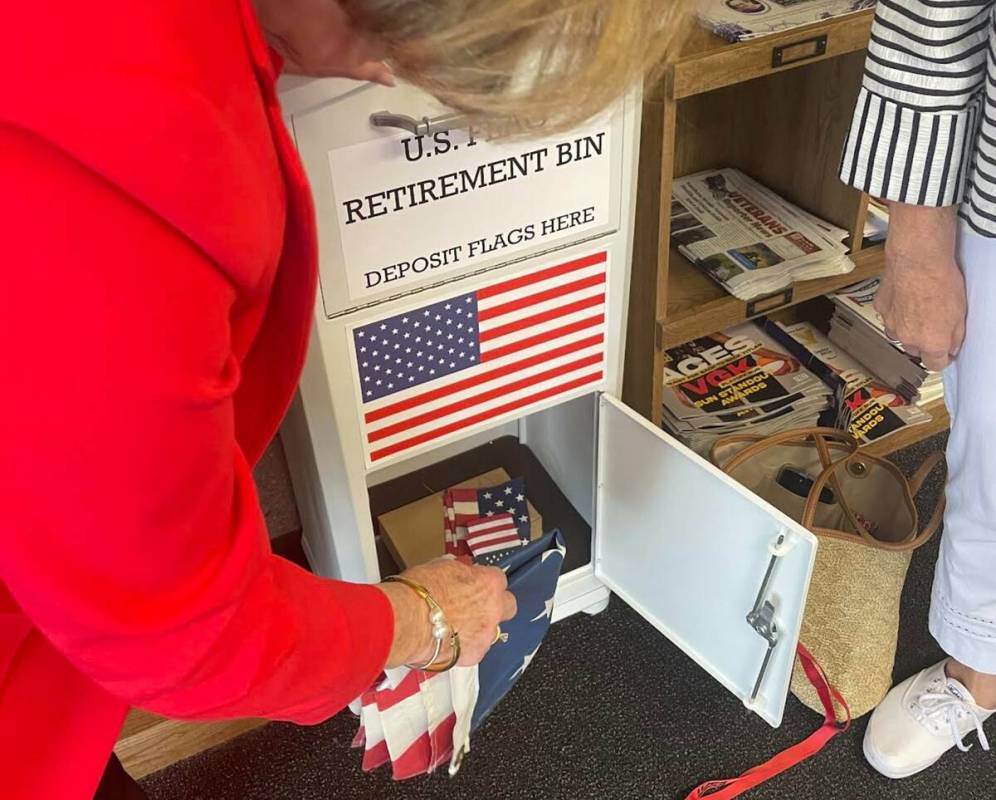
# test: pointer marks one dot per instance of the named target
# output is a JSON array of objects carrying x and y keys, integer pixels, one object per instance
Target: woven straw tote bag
[{"x": 863, "y": 511}]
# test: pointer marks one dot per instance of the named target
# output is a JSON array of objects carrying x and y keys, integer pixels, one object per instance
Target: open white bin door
[{"x": 717, "y": 570}]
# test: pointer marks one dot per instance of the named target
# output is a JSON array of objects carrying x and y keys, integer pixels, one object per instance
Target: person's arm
[
  {"x": 910, "y": 144},
  {"x": 131, "y": 533}
]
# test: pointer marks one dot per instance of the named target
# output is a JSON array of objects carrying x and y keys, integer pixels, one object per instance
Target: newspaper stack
[
  {"x": 748, "y": 239},
  {"x": 738, "y": 20},
  {"x": 737, "y": 381},
  {"x": 865, "y": 405},
  {"x": 858, "y": 329}
]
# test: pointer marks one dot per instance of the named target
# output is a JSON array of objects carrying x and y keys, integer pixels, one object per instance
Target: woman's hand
[
  {"x": 475, "y": 600},
  {"x": 922, "y": 296}
]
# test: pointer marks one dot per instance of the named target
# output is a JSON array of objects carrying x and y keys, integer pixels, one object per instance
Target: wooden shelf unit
[
  {"x": 707, "y": 62},
  {"x": 697, "y": 306},
  {"x": 777, "y": 108}
]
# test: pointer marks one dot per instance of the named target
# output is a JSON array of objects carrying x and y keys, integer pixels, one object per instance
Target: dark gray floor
[{"x": 609, "y": 709}]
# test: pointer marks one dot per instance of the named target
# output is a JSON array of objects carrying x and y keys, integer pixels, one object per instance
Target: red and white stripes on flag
[
  {"x": 459, "y": 506},
  {"x": 492, "y": 535},
  {"x": 538, "y": 335},
  {"x": 411, "y": 724},
  {"x": 371, "y": 734},
  {"x": 416, "y": 725},
  {"x": 441, "y": 718}
]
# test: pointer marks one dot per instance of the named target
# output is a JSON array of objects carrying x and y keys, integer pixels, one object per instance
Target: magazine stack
[
  {"x": 748, "y": 239},
  {"x": 737, "y": 381},
  {"x": 864, "y": 404},
  {"x": 858, "y": 329}
]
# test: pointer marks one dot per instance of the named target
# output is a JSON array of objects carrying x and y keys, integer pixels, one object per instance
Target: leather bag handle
[
  {"x": 828, "y": 463},
  {"x": 824, "y": 440},
  {"x": 809, "y": 510},
  {"x": 932, "y": 462},
  {"x": 910, "y": 488},
  {"x": 758, "y": 444}
]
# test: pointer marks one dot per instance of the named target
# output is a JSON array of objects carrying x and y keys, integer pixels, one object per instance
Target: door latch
[{"x": 762, "y": 616}]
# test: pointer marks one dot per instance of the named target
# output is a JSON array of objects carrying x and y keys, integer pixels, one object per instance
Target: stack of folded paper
[{"x": 857, "y": 328}]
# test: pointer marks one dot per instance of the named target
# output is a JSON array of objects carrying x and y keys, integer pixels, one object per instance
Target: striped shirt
[{"x": 924, "y": 126}]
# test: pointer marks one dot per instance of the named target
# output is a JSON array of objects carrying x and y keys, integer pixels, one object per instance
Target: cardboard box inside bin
[{"x": 413, "y": 533}]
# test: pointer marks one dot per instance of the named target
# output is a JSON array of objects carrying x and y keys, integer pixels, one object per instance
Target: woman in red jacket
[{"x": 159, "y": 275}]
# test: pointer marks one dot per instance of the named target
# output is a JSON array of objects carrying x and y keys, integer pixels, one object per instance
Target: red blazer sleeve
[{"x": 131, "y": 533}]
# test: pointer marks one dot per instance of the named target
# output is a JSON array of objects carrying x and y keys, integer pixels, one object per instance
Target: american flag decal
[{"x": 477, "y": 357}]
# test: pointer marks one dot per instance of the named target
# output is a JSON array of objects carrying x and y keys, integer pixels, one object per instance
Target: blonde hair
[{"x": 556, "y": 62}]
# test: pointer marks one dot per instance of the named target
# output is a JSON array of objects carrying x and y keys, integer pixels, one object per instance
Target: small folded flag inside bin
[
  {"x": 464, "y": 506},
  {"x": 490, "y": 539},
  {"x": 414, "y": 532},
  {"x": 418, "y": 721}
]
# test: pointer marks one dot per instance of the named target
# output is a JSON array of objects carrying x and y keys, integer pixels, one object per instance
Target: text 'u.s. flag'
[{"x": 475, "y": 358}]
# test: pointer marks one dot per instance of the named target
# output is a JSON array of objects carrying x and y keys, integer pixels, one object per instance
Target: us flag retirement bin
[{"x": 484, "y": 329}]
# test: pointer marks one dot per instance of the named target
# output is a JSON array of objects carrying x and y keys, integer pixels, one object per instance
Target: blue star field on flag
[
  {"x": 471, "y": 504},
  {"x": 533, "y": 572},
  {"x": 407, "y": 350},
  {"x": 508, "y": 498}
]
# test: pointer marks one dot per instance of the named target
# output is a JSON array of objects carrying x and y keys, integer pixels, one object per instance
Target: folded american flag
[
  {"x": 409, "y": 724},
  {"x": 417, "y": 721},
  {"x": 464, "y": 506}
]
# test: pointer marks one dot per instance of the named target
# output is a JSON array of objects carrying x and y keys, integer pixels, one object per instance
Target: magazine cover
[
  {"x": 738, "y": 20},
  {"x": 727, "y": 370},
  {"x": 870, "y": 410},
  {"x": 737, "y": 380}
]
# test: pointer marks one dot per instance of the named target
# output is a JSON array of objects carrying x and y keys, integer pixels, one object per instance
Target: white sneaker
[{"x": 919, "y": 721}]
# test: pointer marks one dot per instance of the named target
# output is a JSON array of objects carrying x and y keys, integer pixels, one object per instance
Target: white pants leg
[{"x": 963, "y": 603}]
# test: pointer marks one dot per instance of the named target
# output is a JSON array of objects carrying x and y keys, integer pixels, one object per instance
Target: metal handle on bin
[
  {"x": 417, "y": 127},
  {"x": 762, "y": 616}
]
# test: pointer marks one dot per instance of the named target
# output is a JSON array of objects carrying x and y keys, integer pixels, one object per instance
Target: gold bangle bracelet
[
  {"x": 440, "y": 627},
  {"x": 418, "y": 588}
]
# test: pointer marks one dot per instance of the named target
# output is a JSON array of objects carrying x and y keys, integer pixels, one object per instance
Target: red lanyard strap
[{"x": 797, "y": 753}]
